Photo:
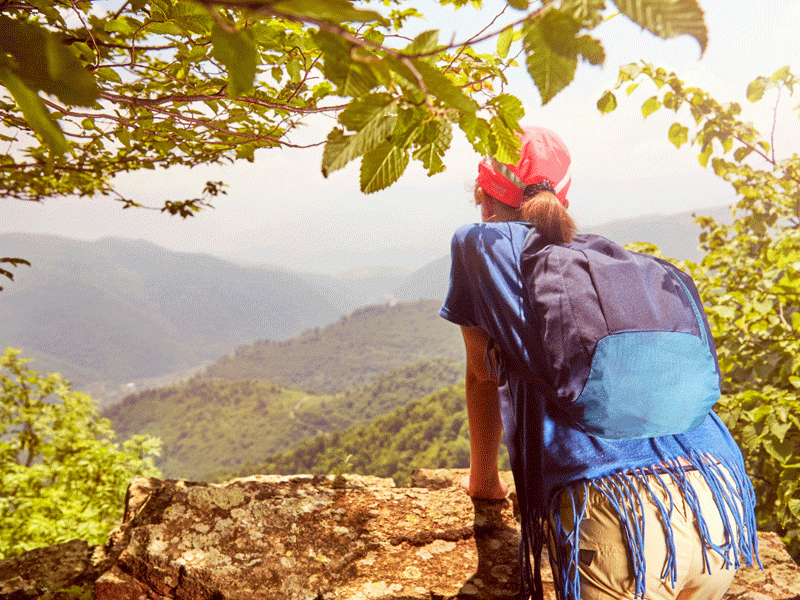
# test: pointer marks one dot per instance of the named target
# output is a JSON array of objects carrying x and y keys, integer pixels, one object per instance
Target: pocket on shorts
[{"x": 604, "y": 562}]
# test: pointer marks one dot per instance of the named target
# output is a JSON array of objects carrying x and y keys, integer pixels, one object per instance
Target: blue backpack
[{"x": 627, "y": 348}]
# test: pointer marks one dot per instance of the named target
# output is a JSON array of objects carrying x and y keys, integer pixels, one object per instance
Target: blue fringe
[{"x": 732, "y": 492}]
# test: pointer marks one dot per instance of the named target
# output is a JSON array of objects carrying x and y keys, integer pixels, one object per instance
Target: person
[{"x": 656, "y": 518}]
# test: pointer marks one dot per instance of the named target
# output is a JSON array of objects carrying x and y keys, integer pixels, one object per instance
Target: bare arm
[{"x": 485, "y": 425}]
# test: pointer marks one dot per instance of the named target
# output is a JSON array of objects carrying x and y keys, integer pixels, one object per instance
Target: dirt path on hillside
[{"x": 293, "y": 416}]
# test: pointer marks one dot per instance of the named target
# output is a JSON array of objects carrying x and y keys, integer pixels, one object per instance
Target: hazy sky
[{"x": 282, "y": 211}]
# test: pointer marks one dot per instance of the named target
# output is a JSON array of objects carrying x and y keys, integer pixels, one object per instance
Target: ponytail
[{"x": 551, "y": 219}]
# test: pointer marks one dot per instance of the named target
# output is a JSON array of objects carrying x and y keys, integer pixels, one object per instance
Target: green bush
[{"x": 62, "y": 476}]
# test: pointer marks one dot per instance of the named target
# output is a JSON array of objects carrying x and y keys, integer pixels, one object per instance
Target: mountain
[
  {"x": 213, "y": 425},
  {"x": 353, "y": 351},
  {"x": 118, "y": 310},
  {"x": 675, "y": 235},
  {"x": 431, "y": 281}
]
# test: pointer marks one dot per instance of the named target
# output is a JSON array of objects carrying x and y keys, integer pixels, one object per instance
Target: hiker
[{"x": 626, "y": 511}]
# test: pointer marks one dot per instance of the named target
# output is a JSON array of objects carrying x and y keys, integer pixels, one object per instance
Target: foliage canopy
[
  {"x": 91, "y": 90},
  {"x": 61, "y": 474}
]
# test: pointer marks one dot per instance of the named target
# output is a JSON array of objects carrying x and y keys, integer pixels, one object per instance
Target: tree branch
[
  {"x": 88, "y": 31},
  {"x": 774, "y": 122},
  {"x": 175, "y": 98}
]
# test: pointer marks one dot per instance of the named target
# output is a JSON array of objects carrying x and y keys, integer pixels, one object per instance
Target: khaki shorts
[{"x": 605, "y": 567}]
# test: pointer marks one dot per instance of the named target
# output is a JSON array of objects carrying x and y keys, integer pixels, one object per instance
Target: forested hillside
[
  {"x": 428, "y": 433},
  {"x": 350, "y": 352},
  {"x": 211, "y": 425},
  {"x": 118, "y": 310}
]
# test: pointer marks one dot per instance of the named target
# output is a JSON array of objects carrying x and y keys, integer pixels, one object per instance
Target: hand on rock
[{"x": 496, "y": 490}]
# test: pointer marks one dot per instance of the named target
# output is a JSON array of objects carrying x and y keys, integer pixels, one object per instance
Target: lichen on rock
[{"x": 315, "y": 538}]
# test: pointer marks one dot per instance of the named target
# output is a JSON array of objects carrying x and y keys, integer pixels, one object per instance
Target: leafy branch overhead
[{"x": 90, "y": 90}]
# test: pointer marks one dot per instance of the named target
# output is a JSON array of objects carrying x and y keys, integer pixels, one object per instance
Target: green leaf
[
  {"x": 741, "y": 153},
  {"x": 108, "y": 74},
  {"x": 375, "y": 36},
  {"x": 509, "y": 108},
  {"x": 237, "y": 52},
  {"x": 360, "y": 111},
  {"x": 591, "y": 49},
  {"x": 44, "y": 63},
  {"x": 478, "y": 132},
  {"x": 650, "y": 106},
  {"x": 336, "y": 11},
  {"x": 508, "y": 142},
  {"x": 518, "y": 4},
  {"x": 335, "y": 147},
  {"x": 425, "y": 42},
  {"x": 560, "y": 32},
  {"x": 779, "y": 430},
  {"x": 607, "y": 102},
  {"x": 678, "y": 134},
  {"x": 35, "y": 112},
  {"x": 760, "y": 413},
  {"x": 293, "y": 69},
  {"x": 124, "y": 25},
  {"x": 374, "y": 121},
  {"x": 163, "y": 28},
  {"x": 504, "y": 41},
  {"x": 551, "y": 70},
  {"x": 124, "y": 136},
  {"x": 586, "y": 12},
  {"x": 672, "y": 101},
  {"x": 629, "y": 72},
  {"x": 382, "y": 166},
  {"x": 437, "y": 136},
  {"x": 727, "y": 144},
  {"x": 780, "y": 451},
  {"x": 755, "y": 91},
  {"x": 705, "y": 154},
  {"x": 442, "y": 88},
  {"x": 350, "y": 77},
  {"x": 782, "y": 74},
  {"x": 720, "y": 167},
  {"x": 668, "y": 18}
]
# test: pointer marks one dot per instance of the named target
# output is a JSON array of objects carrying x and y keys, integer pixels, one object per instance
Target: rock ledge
[{"x": 314, "y": 538}]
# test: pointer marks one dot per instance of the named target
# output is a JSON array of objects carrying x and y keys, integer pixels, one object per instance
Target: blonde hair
[{"x": 551, "y": 219}]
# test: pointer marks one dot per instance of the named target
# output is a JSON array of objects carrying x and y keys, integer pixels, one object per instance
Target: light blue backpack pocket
[{"x": 648, "y": 384}]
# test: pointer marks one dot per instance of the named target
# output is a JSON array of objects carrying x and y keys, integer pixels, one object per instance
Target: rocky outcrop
[{"x": 313, "y": 538}]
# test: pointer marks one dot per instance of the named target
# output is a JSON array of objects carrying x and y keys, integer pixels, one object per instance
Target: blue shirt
[{"x": 548, "y": 456}]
